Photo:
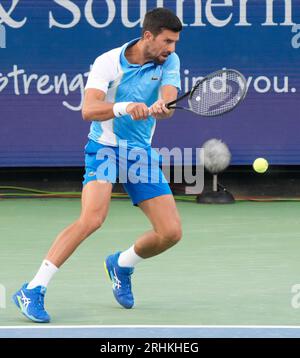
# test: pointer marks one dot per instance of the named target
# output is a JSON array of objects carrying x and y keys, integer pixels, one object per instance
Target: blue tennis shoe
[
  {"x": 121, "y": 280},
  {"x": 31, "y": 303}
]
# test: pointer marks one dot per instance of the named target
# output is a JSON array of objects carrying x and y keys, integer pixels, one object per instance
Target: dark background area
[{"x": 278, "y": 181}]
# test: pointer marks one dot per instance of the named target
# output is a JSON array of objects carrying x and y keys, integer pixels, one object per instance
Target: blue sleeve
[{"x": 171, "y": 72}]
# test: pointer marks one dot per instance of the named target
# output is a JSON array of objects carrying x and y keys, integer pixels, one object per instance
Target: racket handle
[{"x": 169, "y": 105}]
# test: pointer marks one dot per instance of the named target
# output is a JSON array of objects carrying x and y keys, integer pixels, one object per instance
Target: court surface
[{"x": 231, "y": 275}]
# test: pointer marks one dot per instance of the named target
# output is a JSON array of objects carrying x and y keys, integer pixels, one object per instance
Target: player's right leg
[{"x": 95, "y": 204}]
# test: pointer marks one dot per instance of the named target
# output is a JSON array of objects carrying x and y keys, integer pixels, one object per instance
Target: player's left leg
[
  {"x": 165, "y": 220},
  {"x": 154, "y": 197},
  {"x": 166, "y": 232}
]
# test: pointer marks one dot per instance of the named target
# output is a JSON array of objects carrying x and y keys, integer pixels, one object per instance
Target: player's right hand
[{"x": 137, "y": 111}]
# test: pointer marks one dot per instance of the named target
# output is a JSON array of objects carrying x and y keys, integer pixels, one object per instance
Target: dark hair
[{"x": 160, "y": 19}]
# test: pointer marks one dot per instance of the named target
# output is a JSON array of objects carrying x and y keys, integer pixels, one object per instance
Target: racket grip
[{"x": 170, "y": 104}]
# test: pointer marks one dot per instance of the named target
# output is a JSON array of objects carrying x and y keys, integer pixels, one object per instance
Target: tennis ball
[{"x": 260, "y": 165}]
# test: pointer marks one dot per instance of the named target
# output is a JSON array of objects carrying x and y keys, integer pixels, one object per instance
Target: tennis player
[{"x": 125, "y": 94}]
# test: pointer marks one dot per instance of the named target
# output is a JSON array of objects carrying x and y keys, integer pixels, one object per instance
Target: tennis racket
[{"x": 218, "y": 93}]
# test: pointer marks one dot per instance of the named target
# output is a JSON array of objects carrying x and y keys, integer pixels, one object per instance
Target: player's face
[{"x": 159, "y": 47}]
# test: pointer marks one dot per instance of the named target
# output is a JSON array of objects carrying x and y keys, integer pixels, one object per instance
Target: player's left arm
[
  {"x": 159, "y": 110},
  {"x": 170, "y": 85}
]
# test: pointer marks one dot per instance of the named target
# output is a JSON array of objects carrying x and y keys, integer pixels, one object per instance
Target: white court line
[{"x": 38, "y": 326}]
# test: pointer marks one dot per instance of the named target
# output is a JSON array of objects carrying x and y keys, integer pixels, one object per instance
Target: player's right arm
[{"x": 95, "y": 108}]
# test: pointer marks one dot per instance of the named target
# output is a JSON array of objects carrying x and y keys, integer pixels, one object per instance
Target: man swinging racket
[{"x": 125, "y": 94}]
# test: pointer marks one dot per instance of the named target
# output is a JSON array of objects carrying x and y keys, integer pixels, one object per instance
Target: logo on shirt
[
  {"x": 172, "y": 72},
  {"x": 155, "y": 78}
]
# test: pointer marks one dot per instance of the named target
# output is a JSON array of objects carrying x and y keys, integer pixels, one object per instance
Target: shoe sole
[
  {"x": 20, "y": 309},
  {"x": 106, "y": 270}
]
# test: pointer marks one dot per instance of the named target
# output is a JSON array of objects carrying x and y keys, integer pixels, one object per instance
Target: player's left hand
[{"x": 159, "y": 110}]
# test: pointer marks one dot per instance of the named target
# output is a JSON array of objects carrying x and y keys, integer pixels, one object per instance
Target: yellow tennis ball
[{"x": 260, "y": 165}]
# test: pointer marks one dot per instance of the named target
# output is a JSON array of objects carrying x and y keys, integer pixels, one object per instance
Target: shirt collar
[{"x": 124, "y": 60}]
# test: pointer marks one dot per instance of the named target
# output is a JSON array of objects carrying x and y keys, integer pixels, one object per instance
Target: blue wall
[{"x": 50, "y": 46}]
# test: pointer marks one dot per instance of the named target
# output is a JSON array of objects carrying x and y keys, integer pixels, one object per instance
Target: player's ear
[{"x": 148, "y": 35}]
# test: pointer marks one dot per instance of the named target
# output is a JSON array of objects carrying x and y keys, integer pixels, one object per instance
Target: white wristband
[{"x": 119, "y": 108}]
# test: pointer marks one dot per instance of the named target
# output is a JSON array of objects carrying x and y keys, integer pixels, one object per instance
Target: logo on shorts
[{"x": 92, "y": 174}]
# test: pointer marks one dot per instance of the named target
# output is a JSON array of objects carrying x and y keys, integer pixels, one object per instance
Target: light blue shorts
[{"x": 137, "y": 169}]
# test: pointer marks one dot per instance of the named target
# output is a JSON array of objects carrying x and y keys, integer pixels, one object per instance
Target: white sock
[
  {"x": 44, "y": 275},
  {"x": 129, "y": 258}
]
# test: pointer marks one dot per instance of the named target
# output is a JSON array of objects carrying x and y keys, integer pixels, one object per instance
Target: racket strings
[{"x": 218, "y": 94}]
